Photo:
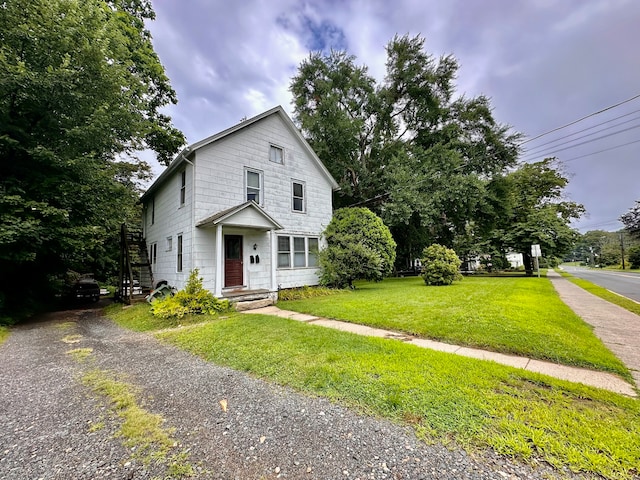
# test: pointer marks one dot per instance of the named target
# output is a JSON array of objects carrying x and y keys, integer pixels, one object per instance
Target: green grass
[
  {"x": 4, "y": 334},
  {"x": 138, "y": 318},
  {"x": 445, "y": 397},
  {"x": 521, "y": 316},
  {"x": 603, "y": 293},
  {"x": 139, "y": 428}
]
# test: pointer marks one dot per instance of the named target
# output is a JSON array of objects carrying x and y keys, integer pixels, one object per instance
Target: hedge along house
[{"x": 246, "y": 206}]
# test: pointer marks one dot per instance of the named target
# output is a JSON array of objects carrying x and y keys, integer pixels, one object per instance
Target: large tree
[
  {"x": 537, "y": 212},
  {"x": 408, "y": 148},
  {"x": 631, "y": 220},
  {"x": 81, "y": 90}
]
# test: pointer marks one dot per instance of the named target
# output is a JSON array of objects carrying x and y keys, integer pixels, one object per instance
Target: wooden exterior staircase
[{"x": 135, "y": 274}]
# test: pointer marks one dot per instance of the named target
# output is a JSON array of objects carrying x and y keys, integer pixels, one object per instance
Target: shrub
[
  {"x": 359, "y": 246},
  {"x": 304, "y": 292},
  {"x": 634, "y": 257},
  {"x": 441, "y": 265},
  {"x": 194, "y": 299}
]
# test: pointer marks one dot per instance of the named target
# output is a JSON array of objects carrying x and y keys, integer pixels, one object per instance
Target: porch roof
[{"x": 246, "y": 215}]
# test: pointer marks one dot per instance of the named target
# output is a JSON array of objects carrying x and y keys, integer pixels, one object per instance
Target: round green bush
[{"x": 440, "y": 265}]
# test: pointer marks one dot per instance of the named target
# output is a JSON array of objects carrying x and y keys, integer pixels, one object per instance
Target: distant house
[{"x": 246, "y": 206}]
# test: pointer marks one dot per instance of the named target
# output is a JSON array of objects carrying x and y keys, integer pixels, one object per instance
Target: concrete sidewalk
[
  {"x": 580, "y": 375},
  {"x": 619, "y": 329}
]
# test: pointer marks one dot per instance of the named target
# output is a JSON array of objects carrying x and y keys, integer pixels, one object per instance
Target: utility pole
[{"x": 622, "y": 247}]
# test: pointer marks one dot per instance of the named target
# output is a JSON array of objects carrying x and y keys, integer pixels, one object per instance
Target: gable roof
[
  {"x": 181, "y": 158},
  {"x": 226, "y": 217}
]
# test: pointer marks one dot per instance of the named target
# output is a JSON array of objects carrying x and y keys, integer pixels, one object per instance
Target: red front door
[{"x": 233, "y": 260}]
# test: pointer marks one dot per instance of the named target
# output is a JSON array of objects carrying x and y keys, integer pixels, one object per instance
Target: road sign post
[{"x": 535, "y": 253}]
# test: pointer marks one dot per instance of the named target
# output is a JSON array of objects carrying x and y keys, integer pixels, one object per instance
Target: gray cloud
[{"x": 543, "y": 63}]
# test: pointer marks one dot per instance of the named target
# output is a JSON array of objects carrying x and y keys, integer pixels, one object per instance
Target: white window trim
[
  {"x": 304, "y": 196},
  {"x": 273, "y": 145},
  {"x": 292, "y": 251},
  {"x": 246, "y": 184},
  {"x": 169, "y": 244},
  {"x": 179, "y": 253},
  {"x": 182, "y": 198},
  {"x": 153, "y": 253}
]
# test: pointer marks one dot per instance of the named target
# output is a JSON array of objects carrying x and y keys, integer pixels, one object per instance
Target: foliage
[
  {"x": 81, "y": 91},
  {"x": 634, "y": 257},
  {"x": 304, "y": 292},
  {"x": 193, "y": 300},
  {"x": 599, "y": 247},
  {"x": 537, "y": 213},
  {"x": 631, "y": 220},
  {"x": 359, "y": 246},
  {"x": 408, "y": 148},
  {"x": 440, "y": 265},
  {"x": 513, "y": 315},
  {"x": 476, "y": 403}
]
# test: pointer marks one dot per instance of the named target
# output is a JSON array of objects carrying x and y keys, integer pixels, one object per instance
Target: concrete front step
[{"x": 252, "y": 304}]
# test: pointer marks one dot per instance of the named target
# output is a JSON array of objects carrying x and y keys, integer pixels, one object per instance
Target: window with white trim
[
  {"x": 169, "y": 244},
  {"x": 153, "y": 253},
  {"x": 183, "y": 187},
  {"x": 314, "y": 248},
  {"x": 297, "y": 252},
  {"x": 284, "y": 252},
  {"x": 297, "y": 190},
  {"x": 179, "y": 254},
  {"x": 276, "y": 154},
  {"x": 253, "y": 180}
]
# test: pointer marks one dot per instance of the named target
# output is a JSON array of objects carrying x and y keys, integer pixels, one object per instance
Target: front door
[{"x": 233, "y": 260}]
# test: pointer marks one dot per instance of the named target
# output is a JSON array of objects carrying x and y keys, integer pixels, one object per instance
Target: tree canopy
[
  {"x": 436, "y": 166},
  {"x": 81, "y": 90}
]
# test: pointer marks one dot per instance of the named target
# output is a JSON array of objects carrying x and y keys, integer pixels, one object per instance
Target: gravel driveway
[{"x": 47, "y": 417}]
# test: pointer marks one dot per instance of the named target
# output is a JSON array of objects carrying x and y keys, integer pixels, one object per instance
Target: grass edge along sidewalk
[
  {"x": 474, "y": 403},
  {"x": 521, "y": 316}
]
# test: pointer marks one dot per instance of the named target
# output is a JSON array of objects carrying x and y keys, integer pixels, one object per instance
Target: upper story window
[
  {"x": 183, "y": 186},
  {"x": 152, "y": 211},
  {"x": 254, "y": 185},
  {"x": 298, "y": 203},
  {"x": 276, "y": 154},
  {"x": 179, "y": 254}
]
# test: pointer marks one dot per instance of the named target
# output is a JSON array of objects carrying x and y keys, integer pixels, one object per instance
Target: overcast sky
[{"x": 543, "y": 63}]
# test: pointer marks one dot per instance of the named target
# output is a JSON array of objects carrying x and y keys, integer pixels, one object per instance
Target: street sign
[{"x": 535, "y": 251}]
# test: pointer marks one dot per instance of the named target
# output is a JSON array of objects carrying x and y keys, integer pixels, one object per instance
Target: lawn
[
  {"x": 609, "y": 296},
  {"x": 521, "y": 316},
  {"x": 444, "y": 397}
]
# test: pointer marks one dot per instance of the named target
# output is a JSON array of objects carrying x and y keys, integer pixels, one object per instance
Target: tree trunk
[{"x": 527, "y": 260}]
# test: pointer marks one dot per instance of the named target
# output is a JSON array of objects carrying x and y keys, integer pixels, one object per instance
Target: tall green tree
[
  {"x": 408, "y": 148},
  {"x": 81, "y": 90},
  {"x": 538, "y": 213}
]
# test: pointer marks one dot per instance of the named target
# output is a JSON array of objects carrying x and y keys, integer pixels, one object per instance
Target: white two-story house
[{"x": 246, "y": 206}]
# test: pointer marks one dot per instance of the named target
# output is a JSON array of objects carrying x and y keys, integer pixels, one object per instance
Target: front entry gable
[{"x": 246, "y": 215}]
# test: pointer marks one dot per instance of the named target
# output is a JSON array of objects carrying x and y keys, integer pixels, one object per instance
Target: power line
[
  {"x": 581, "y": 119},
  {"x": 601, "y": 151},
  {"x": 553, "y": 151},
  {"x": 533, "y": 150}
]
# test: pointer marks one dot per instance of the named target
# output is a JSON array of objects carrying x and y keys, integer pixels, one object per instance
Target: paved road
[{"x": 622, "y": 283}]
